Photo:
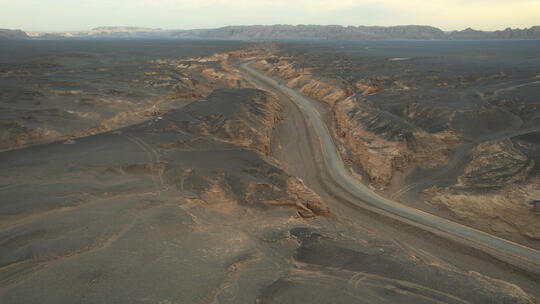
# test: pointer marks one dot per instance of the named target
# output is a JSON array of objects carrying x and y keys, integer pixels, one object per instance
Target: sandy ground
[{"x": 157, "y": 212}]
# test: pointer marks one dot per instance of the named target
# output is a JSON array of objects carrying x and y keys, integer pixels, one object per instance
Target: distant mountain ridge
[
  {"x": 317, "y": 32},
  {"x": 108, "y": 32},
  {"x": 298, "y": 32},
  {"x": 6, "y": 34},
  {"x": 507, "y": 34}
]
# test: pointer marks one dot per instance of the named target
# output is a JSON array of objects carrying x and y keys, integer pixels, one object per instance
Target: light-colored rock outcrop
[
  {"x": 378, "y": 157},
  {"x": 509, "y": 210},
  {"x": 497, "y": 191},
  {"x": 495, "y": 164},
  {"x": 246, "y": 118}
]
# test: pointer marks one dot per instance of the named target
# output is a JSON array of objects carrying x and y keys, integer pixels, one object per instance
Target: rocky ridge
[
  {"x": 6, "y": 34},
  {"x": 223, "y": 111},
  {"x": 299, "y": 32},
  {"x": 371, "y": 138},
  {"x": 506, "y": 34},
  {"x": 316, "y": 32},
  {"x": 246, "y": 119},
  {"x": 181, "y": 80},
  {"x": 397, "y": 141},
  {"x": 498, "y": 189}
]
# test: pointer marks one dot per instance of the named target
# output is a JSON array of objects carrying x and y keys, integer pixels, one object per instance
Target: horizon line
[{"x": 264, "y": 25}]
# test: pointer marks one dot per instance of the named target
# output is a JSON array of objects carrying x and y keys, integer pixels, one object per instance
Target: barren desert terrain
[{"x": 163, "y": 171}]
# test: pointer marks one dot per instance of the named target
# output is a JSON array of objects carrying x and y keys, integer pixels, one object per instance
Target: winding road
[{"x": 513, "y": 253}]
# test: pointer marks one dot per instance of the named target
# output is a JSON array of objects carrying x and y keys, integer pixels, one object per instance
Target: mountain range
[
  {"x": 286, "y": 32},
  {"x": 13, "y": 35}
]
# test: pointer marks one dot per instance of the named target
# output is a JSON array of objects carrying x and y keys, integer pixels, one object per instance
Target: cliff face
[
  {"x": 377, "y": 142},
  {"x": 407, "y": 125},
  {"x": 377, "y": 156},
  {"x": 244, "y": 117},
  {"x": 239, "y": 119},
  {"x": 6, "y": 34}
]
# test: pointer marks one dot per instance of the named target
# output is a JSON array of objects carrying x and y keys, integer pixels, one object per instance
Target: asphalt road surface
[{"x": 508, "y": 251}]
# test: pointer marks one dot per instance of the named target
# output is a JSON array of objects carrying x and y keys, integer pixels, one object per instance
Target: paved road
[{"x": 516, "y": 254}]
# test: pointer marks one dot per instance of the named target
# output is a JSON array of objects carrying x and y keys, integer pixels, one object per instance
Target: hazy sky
[{"x": 62, "y": 15}]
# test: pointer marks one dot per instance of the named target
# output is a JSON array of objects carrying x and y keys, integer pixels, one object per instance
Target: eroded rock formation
[
  {"x": 161, "y": 87},
  {"x": 244, "y": 117},
  {"x": 498, "y": 189},
  {"x": 379, "y": 142}
]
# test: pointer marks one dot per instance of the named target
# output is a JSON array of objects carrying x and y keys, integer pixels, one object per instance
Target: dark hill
[
  {"x": 13, "y": 35},
  {"x": 317, "y": 32}
]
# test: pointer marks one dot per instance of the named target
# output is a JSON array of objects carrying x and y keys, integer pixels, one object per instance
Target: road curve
[{"x": 516, "y": 254}]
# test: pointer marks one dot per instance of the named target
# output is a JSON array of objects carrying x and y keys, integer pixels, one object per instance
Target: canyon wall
[{"x": 377, "y": 142}]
